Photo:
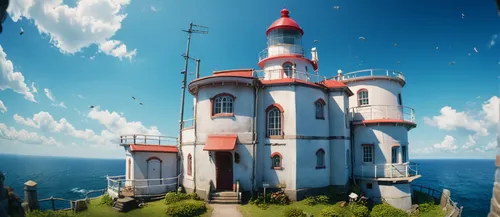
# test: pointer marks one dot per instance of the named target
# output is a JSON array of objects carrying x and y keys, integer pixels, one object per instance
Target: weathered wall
[
  {"x": 169, "y": 164},
  {"x": 398, "y": 195}
]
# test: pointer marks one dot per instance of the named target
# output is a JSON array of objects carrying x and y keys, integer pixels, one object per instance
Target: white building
[{"x": 289, "y": 127}]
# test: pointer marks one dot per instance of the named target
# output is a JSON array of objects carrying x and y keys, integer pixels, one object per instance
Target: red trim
[
  {"x": 357, "y": 94},
  {"x": 154, "y": 158},
  {"x": 281, "y": 161},
  {"x": 324, "y": 163},
  {"x": 396, "y": 79},
  {"x": 285, "y": 22},
  {"x": 221, "y": 142},
  {"x": 321, "y": 101},
  {"x": 384, "y": 121},
  {"x": 190, "y": 164},
  {"x": 193, "y": 89},
  {"x": 278, "y": 106},
  {"x": 153, "y": 148},
  {"x": 212, "y": 115},
  {"x": 288, "y": 56}
]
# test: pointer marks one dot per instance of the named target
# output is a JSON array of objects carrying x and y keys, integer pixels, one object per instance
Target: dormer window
[
  {"x": 363, "y": 97},
  {"x": 223, "y": 105}
]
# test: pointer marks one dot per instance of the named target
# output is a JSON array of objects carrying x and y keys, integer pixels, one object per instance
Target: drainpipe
[
  {"x": 254, "y": 134},
  {"x": 195, "y": 137},
  {"x": 351, "y": 130}
]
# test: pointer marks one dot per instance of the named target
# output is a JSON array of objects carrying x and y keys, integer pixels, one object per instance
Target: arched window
[
  {"x": 363, "y": 97},
  {"x": 287, "y": 69},
  {"x": 274, "y": 120},
  {"x": 319, "y": 107},
  {"x": 276, "y": 159},
  {"x": 223, "y": 105},
  {"x": 189, "y": 165},
  {"x": 320, "y": 159}
]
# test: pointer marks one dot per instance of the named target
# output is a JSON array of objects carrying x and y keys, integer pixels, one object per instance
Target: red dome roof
[{"x": 284, "y": 22}]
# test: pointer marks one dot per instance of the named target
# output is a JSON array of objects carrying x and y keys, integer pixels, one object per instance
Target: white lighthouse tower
[
  {"x": 380, "y": 128},
  {"x": 284, "y": 55}
]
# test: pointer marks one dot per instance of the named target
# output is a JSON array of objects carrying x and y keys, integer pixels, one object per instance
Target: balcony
[
  {"x": 389, "y": 172},
  {"x": 140, "y": 139},
  {"x": 284, "y": 49},
  {"x": 369, "y": 73},
  {"x": 378, "y": 112},
  {"x": 274, "y": 74}
]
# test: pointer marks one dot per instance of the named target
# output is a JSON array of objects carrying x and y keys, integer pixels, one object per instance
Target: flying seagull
[
  {"x": 437, "y": 48},
  {"x": 475, "y": 49},
  {"x": 452, "y": 63},
  {"x": 463, "y": 15},
  {"x": 396, "y": 45},
  {"x": 133, "y": 97},
  {"x": 140, "y": 103},
  {"x": 22, "y": 31},
  {"x": 315, "y": 41},
  {"x": 336, "y": 7},
  {"x": 91, "y": 107},
  {"x": 362, "y": 38}
]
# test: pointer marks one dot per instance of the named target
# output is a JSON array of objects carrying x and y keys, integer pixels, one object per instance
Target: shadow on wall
[{"x": 243, "y": 166}]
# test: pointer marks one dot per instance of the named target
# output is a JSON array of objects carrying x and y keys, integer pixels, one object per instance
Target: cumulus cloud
[
  {"x": 90, "y": 22},
  {"x": 450, "y": 119},
  {"x": 448, "y": 144},
  {"x": 59, "y": 105},
  {"x": 490, "y": 146},
  {"x": 13, "y": 80},
  {"x": 3, "y": 109},
  {"x": 117, "y": 49},
  {"x": 25, "y": 136},
  {"x": 471, "y": 141},
  {"x": 115, "y": 123}
]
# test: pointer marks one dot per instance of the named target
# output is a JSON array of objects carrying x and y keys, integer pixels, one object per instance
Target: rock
[{"x": 343, "y": 203}]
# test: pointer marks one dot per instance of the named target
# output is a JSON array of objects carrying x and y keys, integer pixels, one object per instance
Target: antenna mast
[{"x": 193, "y": 28}]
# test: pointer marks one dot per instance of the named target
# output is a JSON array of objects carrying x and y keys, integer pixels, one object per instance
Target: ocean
[{"x": 470, "y": 181}]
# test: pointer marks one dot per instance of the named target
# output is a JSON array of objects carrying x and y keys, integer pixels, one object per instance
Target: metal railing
[
  {"x": 376, "y": 171},
  {"x": 451, "y": 206},
  {"x": 70, "y": 202},
  {"x": 281, "y": 50},
  {"x": 148, "y": 139},
  {"x": 369, "y": 72},
  {"x": 188, "y": 123},
  {"x": 118, "y": 185},
  {"x": 272, "y": 74},
  {"x": 374, "y": 112}
]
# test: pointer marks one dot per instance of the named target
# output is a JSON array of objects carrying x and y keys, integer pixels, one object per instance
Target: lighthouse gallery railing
[
  {"x": 375, "y": 171},
  {"x": 377, "y": 112}
]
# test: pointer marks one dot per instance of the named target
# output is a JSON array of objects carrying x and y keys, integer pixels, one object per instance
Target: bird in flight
[
  {"x": 140, "y": 103},
  {"x": 362, "y": 38},
  {"x": 133, "y": 97},
  {"x": 91, "y": 107},
  {"x": 452, "y": 63},
  {"x": 396, "y": 45},
  {"x": 22, "y": 31},
  {"x": 315, "y": 41},
  {"x": 336, "y": 7}
]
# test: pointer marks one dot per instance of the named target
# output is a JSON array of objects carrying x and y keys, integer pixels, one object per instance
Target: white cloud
[
  {"x": 3, "y": 109},
  {"x": 117, "y": 49},
  {"x": 425, "y": 150},
  {"x": 45, "y": 121},
  {"x": 491, "y": 111},
  {"x": 59, "y": 105},
  {"x": 450, "y": 120},
  {"x": 448, "y": 144},
  {"x": 49, "y": 95},
  {"x": 73, "y": 28},
  {"x": 11, "y": 79},
  {"x": 493, "y": 40},
  {"x": 25, "y": 136},
  {"x": 471, "y": 141},
  {"x": 33, "y": 88},
  {"x": 490, "y": 146},
  {"x": 81, "y": 97},
  {"x": 119, "y": 125}
]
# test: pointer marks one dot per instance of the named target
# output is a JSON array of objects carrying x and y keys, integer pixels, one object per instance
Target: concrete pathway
[{"x": 225, "y": 210}]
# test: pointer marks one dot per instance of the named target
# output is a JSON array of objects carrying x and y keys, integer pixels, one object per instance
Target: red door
[{"x": 224, "y": 170}]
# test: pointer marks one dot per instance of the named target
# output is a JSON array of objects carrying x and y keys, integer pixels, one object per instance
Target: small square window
[{"x": 369, "y": 186}]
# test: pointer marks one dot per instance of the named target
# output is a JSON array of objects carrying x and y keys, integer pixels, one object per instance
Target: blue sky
[{"x": 105, "y": 53}]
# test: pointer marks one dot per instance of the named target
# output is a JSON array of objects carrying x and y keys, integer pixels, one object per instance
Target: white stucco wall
[
  {"x": 272, "y": 68},
  {"x": 168, "y": 169},
  {"x": 398, "y": 195},
  {"x": 338, "y": 104},
  {"x": 380, "y": 92},
  {"x": 308, "y": 176}
]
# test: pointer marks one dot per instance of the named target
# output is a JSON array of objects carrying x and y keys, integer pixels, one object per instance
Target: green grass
[
  {"x": 249, "y": 210},
  {"x": 436, "y": 211},
  {"x": 152, "y": 209}
]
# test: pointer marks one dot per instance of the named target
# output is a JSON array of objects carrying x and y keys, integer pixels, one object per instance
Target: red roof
[
  {"x": 284, "y": 22},
  {"x": 220, "y": 142},
  {"x": 333, "y": 84},
  {"x": 153, "y": 148},
  {"x": 235, "y": 72}
]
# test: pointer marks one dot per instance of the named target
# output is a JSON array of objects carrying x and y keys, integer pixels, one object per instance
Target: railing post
[
  {"x": 52, "y": 200},
  {"x": 406, "y": 169},
  {"x": 30, "y": 196},
  {"x": 145, "y": 138},
  {"x": 371, "y": 72},
  {"x": 134, "y": 138},
  {"x": 375, "y": 171},
  {"x": 119, "y": 184},
  {"x": 159, "y": 140},
  {"x": 387, "y": 72},
  {"x": 391, "y": 169}
]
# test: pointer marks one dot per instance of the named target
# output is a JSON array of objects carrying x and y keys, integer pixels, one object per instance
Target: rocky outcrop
[{"x": 10, "y": 203}]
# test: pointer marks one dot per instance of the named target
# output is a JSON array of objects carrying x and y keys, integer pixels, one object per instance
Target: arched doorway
[{"x": 154, "y": 170}]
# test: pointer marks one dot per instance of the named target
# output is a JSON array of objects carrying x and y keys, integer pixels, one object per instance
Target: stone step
[
  {"x": 225, "y": 198},
  {"x": 224, "y": 194},
  {"x": 117, "y": 209},
  {"x": 119, "y": 205},
  {"x": 225, "y": 201}
]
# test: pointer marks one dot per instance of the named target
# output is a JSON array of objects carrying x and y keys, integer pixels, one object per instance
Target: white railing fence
[
  {"x": 369, "y": 72},
  {"x": 388, "y": 170},
  {"x": 272, "y": 74},
  {"x": 117, "y": 185},
  {"x": 148, "y": 139},
  {"x": 373, "y": 112}
]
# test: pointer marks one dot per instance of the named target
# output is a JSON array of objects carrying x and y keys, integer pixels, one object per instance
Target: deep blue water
[{"x": 470, "y": 181}]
